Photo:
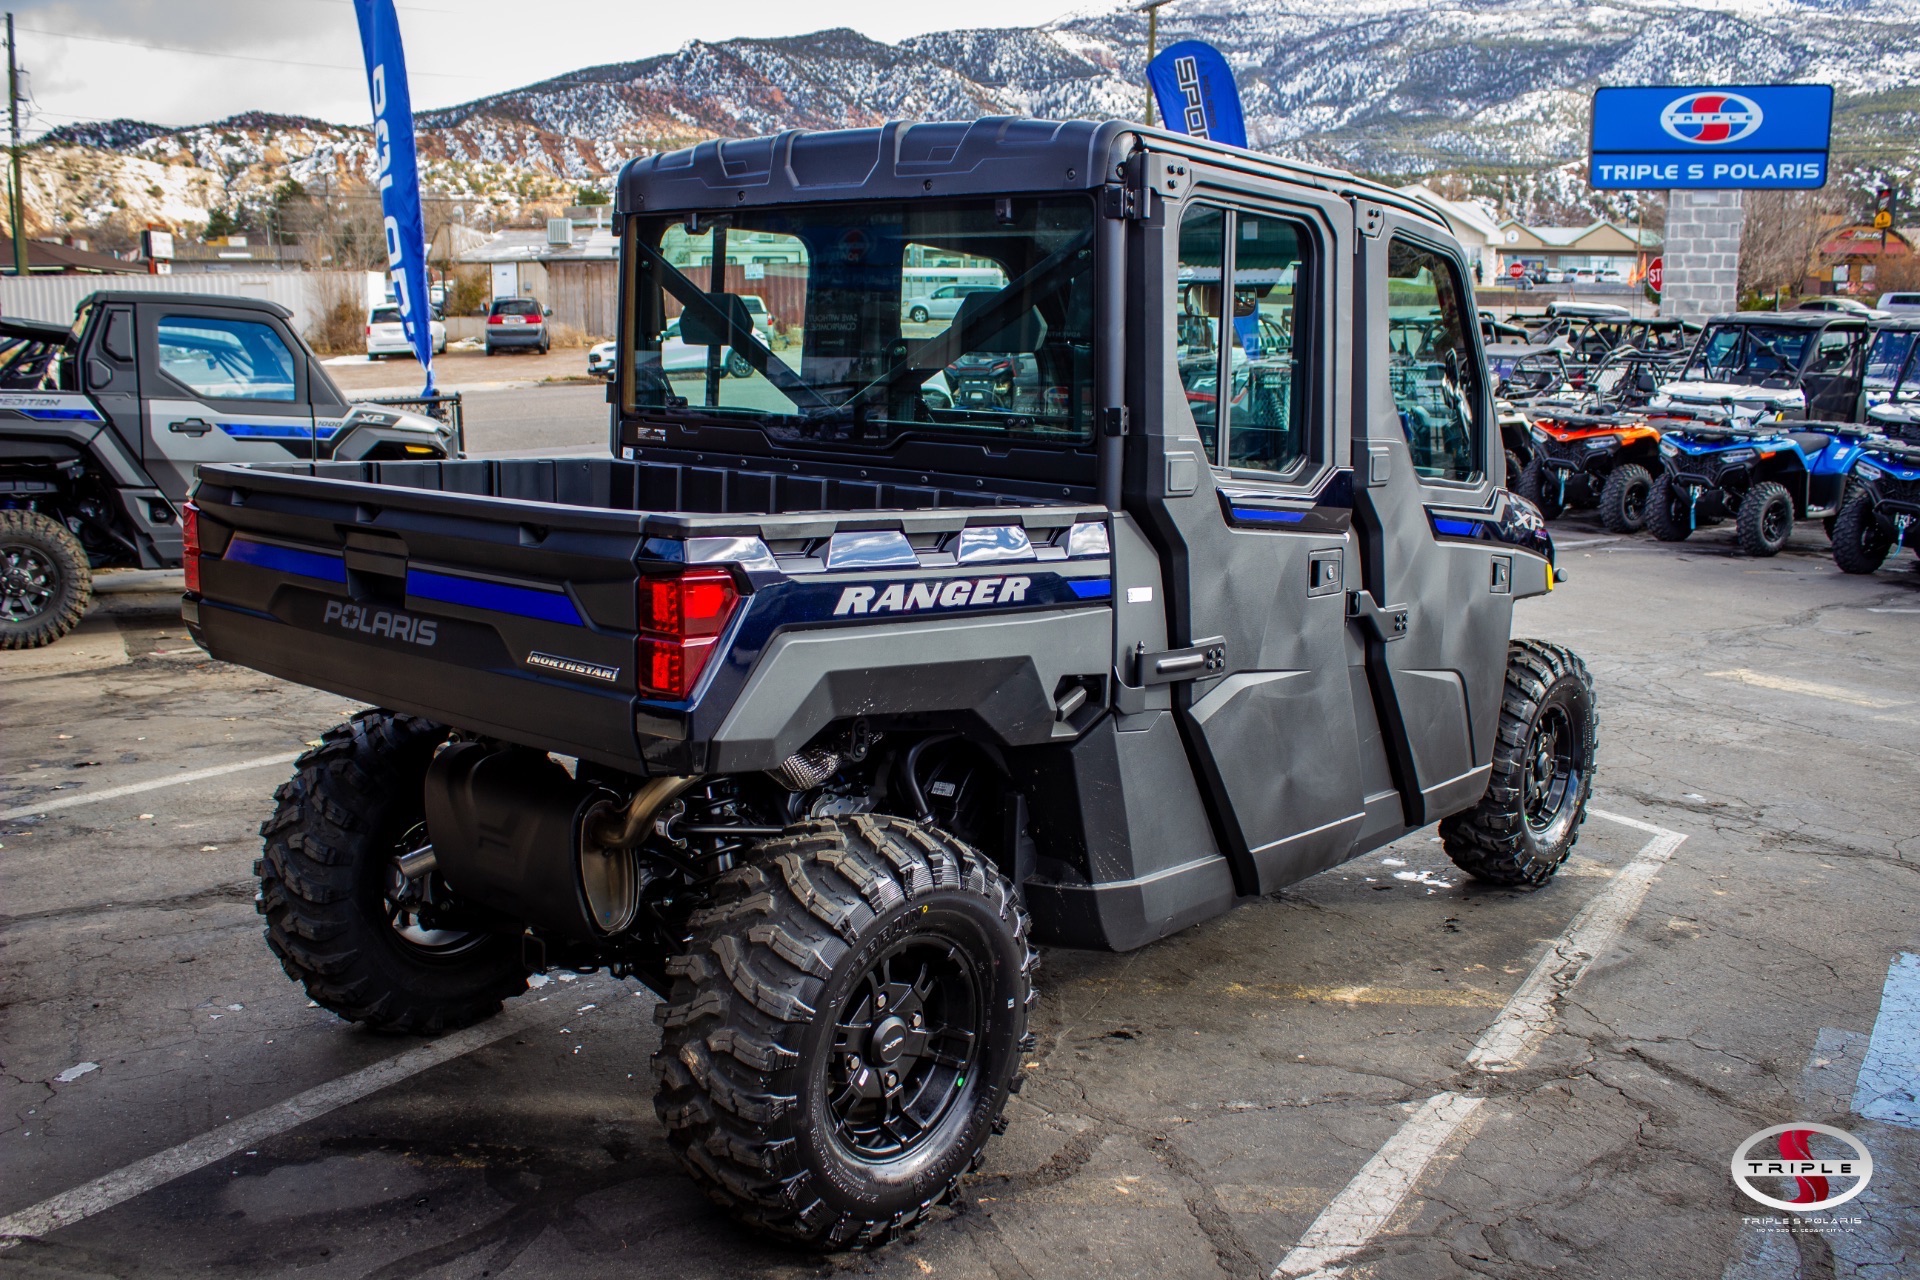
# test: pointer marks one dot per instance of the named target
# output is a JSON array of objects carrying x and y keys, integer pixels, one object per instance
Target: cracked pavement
[{"x": 1192, "y": 1107}]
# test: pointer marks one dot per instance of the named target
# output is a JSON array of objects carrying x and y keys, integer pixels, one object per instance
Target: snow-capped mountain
[{"x": 1385, "y": 86}]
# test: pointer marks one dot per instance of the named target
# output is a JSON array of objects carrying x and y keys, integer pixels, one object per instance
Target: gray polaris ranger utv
[
  {"x": 103, "y": 421},
  {"x": 831, "y": 693}
]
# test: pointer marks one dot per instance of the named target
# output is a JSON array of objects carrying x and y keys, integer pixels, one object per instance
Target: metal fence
[{"x": 50, "y": 297}]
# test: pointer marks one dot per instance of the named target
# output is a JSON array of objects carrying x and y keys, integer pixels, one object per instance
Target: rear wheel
[
  {"x": 845, "y": 1029},
  {"x": 1765, "y": 519},
  {"x": 1526, "y": 824},
  {"x": 1541, "y": 487},
  {"x": 918, "y": 315},
  {"x": 343, "y": 920},
  {"x": 45, "y": 581},
  {"x": 1514, "y": 467},
  {"x": 1623, "y": 502},
  {"x": 739, "y": 366},
  {"x": 1860, "y": 545},
  {"x": 1668, "y": 511}
]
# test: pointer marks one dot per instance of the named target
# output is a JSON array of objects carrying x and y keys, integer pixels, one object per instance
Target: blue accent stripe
[
  {"x": 302, "y": 564},
  {"x": 1889, "y": 1084},
  {"x": 1092, "y": 588},
  {"x": 498, "y": 597},
  {"x": 60, "y": 415},
  {"x": 1266, "y": 515},
  {"x": 276, "y": 431},
  {"x": 1456, "y": 528}
]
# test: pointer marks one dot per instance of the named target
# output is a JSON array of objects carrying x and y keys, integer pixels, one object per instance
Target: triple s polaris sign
[{"x": 1757, "y": 137}]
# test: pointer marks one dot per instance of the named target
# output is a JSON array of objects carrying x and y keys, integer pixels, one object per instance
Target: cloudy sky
[{"x": 199, "y": 60}]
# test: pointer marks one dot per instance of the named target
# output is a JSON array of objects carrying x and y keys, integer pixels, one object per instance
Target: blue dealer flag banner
[
  {"x": 1194, "y": 89},
  {"x": 1672, "y": 137},
  {"x": 399, "y": 173}
]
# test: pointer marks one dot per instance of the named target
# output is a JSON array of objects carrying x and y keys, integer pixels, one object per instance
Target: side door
[
  {"x": 1250, "y": 504},
  {"x": 218, "y": 385},
  {"x": 1833, "y": 374},
  {"x": 1433, "y": 602}
]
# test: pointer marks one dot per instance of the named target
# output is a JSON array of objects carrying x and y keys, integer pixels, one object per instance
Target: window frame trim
[{"x": 1484, "y": 435}]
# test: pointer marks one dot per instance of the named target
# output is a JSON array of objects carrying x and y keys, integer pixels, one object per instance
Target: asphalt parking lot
[{"x": 1382, "y": 1072}]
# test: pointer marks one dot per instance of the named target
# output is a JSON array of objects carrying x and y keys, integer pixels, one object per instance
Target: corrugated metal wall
[{"x": 55, "y": 297}]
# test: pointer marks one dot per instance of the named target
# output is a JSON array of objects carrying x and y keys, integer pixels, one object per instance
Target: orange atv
[{"x": 1586, "y": 460}]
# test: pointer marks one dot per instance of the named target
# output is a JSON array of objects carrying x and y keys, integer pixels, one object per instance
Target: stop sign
[
  {"x": 1516, "y": 269},
  {"x": 1655, "y": 270}
]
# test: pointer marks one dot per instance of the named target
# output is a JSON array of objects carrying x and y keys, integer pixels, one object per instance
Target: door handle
[
  {"x": 1386, "y": 622},
  {"x": 191, "y": 427}
]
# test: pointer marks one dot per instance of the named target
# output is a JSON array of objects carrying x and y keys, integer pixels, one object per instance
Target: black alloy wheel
[
  {"x": 46, "y": 582},
  {"x": 905, "y": 1044},
  {"x": 1554, "y": 765},
  {"x": 28, "y": 583}
]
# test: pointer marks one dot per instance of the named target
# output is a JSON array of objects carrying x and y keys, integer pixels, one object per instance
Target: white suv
[{"x": 386, "y": 336}]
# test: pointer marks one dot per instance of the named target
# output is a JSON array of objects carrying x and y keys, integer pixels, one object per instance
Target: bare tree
[{"x": 1783, "y": 233}]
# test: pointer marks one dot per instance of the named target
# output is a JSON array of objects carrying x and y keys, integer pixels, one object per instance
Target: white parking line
[
  {"x": 1362, "y": 1209},
  {"x": 142, "y": 1176},
  {"x": 135, "y": 788}
]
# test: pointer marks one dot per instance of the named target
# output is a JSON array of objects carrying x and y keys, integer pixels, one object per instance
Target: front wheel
[
  {"x": 1669, "y": 514},
  {"x": 1860, "y": 545},
  {"x": 845, "y": 1029},
  {"x": 739, "y": 366},
  {"x": 1527, "y": 822},
  {"x": 1541, "y": 487},
  {"x": 342, "y": 919},
  {"x": 1765, "y": 519},
  {"x": 1623, "y": 502},
  {"x": 45, "y": 581},
  {"x": 918, "y": 315}
]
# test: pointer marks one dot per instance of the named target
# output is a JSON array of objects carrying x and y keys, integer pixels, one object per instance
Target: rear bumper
[{"x": 502, "y": 335}]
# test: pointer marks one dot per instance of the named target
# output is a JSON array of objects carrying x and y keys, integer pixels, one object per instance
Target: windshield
[
  {"x": 849, "y": 344},
  {"x": 1748, "y": 352},
  {"x": 1890, "y": 361}
]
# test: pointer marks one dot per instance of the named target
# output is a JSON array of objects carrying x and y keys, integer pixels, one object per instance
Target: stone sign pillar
[{"x": 1702, "y": 254}]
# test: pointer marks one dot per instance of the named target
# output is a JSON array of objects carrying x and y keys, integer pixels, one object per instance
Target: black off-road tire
[
  {"x": 352, "y": 804},
  {"x": 1765, "y": 520},
  {"x": 1540, "y": 488},
  {"x": 1623, "y": 502},
  {"x": 1860, "y": 545},
  {"x": 1853, "y": 490},
  {"x": 1514, "y": 468},
  {"x": 755, "y": 1034},
  {"x": 1667, "y": 511},
  {"x": 45, "y": 581},
  {"x": 1526, "y": 824}
]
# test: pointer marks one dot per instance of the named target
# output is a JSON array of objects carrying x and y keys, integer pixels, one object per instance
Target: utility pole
[
  {"x": 1152, "y": 9},
  {"x": 17, "y": 205}
]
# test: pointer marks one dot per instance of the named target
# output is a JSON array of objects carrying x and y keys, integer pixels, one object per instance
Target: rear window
[
  {"x": 516, "y": 307},
  {"x": 384, "y": 315},
  {"x": 1901, "y": 300}
]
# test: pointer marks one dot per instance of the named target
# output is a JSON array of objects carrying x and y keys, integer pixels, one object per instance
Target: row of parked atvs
[{"x": 1765, "y": 418}]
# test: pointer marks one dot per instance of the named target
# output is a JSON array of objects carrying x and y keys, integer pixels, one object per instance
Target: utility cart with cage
[{"x": 829, "y": 696}]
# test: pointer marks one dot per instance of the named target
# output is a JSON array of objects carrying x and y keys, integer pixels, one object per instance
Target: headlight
[
  {"x": 1604, "y": 442},
  {"x": 1668, "y": 449},
  {"x": 1867, "y": 471},
  {"x": 1736, "y": 455},
  {"x": 1542, "y": 436}
]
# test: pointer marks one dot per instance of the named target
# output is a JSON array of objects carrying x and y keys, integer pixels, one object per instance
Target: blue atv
[
  {"x": 1882, "y": 512},
  {"x": 1763, "y": 474}
]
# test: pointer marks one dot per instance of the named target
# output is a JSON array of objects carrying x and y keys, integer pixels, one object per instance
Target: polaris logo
[
  {"x": 1709, "y": 119},
  {"x": 911, "y": 597},
  {"x": 382, "y": 622},
  {"x": 572, "y": 666}
]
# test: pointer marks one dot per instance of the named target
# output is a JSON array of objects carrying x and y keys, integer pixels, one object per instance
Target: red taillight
[
  {"x": 369, "y": 331},
  {"x": 681, "y": 618},
  {"x": 496, "y": 319},
  {"x": 190, "y": 546}
]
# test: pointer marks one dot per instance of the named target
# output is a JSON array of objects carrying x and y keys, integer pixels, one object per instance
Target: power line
[{"x": 239, "y": 57}]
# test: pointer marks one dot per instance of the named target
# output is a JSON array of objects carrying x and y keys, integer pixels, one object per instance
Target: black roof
[
  {"x": 1791, "y": 319},
  {"x": 995, "y": 155},
  {"x": 188, "y": 298},
  {"x": 34, "y": 330},
  {"x": 1899, "y": 322}
]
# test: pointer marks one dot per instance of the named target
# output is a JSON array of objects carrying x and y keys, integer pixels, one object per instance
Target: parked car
[
  {"x": 1852, "y": 306},
  {"x": 387, "y": 336},
  {"x": 943, "y": 303},
  {"x": 600, "y": 359},
  {"x": 517, "y": 323},
  {"x": 854, "y": 708},
  {"x": 1899, "y": 304},
  {"x": 679, "y": 356}
]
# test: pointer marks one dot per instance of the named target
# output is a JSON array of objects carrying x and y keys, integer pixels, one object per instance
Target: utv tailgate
[{"x": 500, "y": 596}]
